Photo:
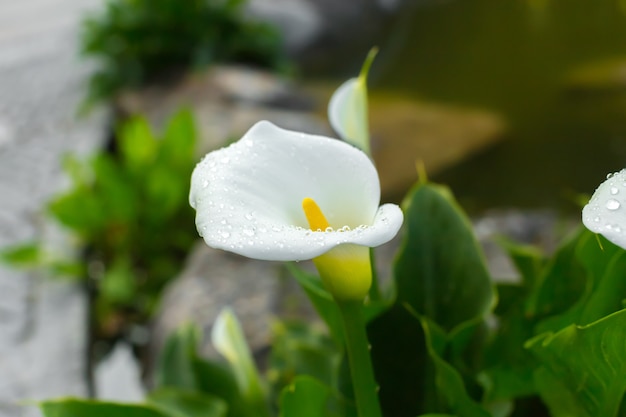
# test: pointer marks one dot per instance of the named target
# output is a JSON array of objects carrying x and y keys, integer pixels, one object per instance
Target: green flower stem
[
  {"x": 374, "y": 293},
  {"x": 361, "y": 370}
]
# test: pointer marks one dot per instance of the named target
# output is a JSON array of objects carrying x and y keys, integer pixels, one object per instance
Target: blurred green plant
[
  {"x": 130, "y": 214},
  {"x": 552, "y": 345},
  {"x": 137, "y": 42}
]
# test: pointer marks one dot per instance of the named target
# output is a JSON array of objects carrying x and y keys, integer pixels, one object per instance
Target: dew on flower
[{"x": 613, "y": 204}]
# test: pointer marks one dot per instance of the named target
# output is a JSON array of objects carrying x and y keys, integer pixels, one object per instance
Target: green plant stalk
[
  {"x": 374, "y": 293},
  {"x": 361, "y": 370}
]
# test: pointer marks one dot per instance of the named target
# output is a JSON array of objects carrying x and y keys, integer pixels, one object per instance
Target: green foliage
[
  {"x": 130, "y": 213},
  {"x": 137, "y": 41},
  {"x": 552, "y": 345}
]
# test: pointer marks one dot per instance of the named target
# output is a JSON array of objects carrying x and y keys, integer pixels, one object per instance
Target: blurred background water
[{"x": 556, "y": 71}]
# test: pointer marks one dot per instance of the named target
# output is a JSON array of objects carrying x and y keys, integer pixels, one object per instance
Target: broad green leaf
[
  {"x": 217, "y": 379},
  {"x": 80, "y": 210},
  {"x": 440, "y": 271},
  {"x": 175, "y": 366},
  {"x": 554, "y": 294},
  {"x": 300, "y": 349},
  {"x": 307, "y": 397},
  {"x": 179, "y": 403},
  {"x": 508, "y": 366},
  {"x": 583, "y": 367},
  {"x": 401, "y": 363},
  {"x": 27, "y": 254},
  {"x": 115, "y": 189},
  {"x": 178, "y": 144},
  {"x": 603, "y": 285},
  {"x": 228, "y": 339},
  {"x": 137, "y": 144},
  {"x": 447, "y": 379},
  {"x": 610, "y": 293},
  {"x": 119, "y": 283},
  {"x": 86, "y": 408}
]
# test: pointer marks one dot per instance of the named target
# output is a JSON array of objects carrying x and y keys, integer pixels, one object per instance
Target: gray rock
[
  {"x": 118, "y": 376},
  {"x": 42, "y": 322},
  {"x": 214, "y": 279},
  {"x": 298, "y": 20}
]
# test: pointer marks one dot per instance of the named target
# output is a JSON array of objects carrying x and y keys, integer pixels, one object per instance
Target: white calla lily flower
[
  {"x": 347, "y": 109},
  {"x": 606, "y": 211},
  {"x": 287, "y": 196}
]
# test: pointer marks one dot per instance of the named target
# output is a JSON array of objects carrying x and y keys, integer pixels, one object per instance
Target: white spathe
[
  {"x": 347, "y": 112},
  {"x": 606, "y": 211},
  {"x": 248, "y": 196}
]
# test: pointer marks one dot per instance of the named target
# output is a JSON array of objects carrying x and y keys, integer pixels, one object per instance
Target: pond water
[{"x": 554, "y": 69}]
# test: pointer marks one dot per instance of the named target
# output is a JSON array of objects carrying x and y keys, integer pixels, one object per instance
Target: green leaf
[
  {"x": 449, "y": 382},
  {"x": 554, "y": 294},
  {"x": 179, "y": 403},
  {"x": 175, "y": 367},
  {"x": 119, "y": 284},
  {"x": 583, "y": 368},
  {"x": 307, "y": 397},
  {"x": 228, "y": 339},
  {"x": 81, "y": 408},
  {"x": 137, "y": 144},
  {"x": 298, "y": 349},
  {"x": 80, "y": 210},
  {"x": 27, "y": 254},
  {"x": 440, "y": 271},
  {"x": 508, "y": 367},
  {"x": 178, "y": 144},
  {"x": 603, "y": 286},
  {"x": 609, "y": 294}
]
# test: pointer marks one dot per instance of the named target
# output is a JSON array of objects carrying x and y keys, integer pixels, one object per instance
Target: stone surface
[
  {"x": 212, "y": 280},
  {"x": 42, "y": 322},
  {"x": 226, "y": 102},
  {"x": 118, "y": 376}
]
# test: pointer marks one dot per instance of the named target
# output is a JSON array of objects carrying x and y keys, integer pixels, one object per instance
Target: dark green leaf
[
  {"x": 440, "y": 271},
  {"x": 118, "y": 284},
  {"x": 307, "y": 397},
  {"x": 175, "y": 367},
  {"x": 179, "y": 403},
  {"x": 449, "y": 382},
  {"x": 86, "y": 408},
  {"x": 583, "y": 368}
]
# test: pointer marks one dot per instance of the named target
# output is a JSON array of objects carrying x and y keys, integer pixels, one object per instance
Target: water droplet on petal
[
  {"x": 613, "y": 204},
  {"x": 225, "y": 235},
  {"x": 614, "y": 190},
  {"x": 596, "y": 219},
  {"x": 248, "y": 232},
  {"x": 205, "y": 183}
]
